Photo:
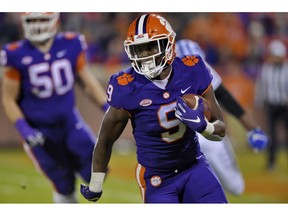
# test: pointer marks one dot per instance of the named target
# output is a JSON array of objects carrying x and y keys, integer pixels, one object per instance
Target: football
[{"x": 192, "y": 102}]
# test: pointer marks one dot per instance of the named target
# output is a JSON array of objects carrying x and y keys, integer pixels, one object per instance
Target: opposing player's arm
[
  {"x": 216, "y": 117},
  {"x": 256, "y": 137},
  {"x": 234, "y": 108},
  {"x": 10, "y": 94}
]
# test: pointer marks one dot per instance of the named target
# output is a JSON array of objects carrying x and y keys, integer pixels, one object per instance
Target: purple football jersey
[
  {"x": 47, "y": 79},
  {"x": 47, "y": 101},
  {"x": 163, "y": 142}
]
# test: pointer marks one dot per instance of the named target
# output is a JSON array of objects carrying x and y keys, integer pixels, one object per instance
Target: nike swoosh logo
[
  {"x": 199, "y": 157},
  {"x": 183, "y": 91},
  {"x": 197, "y": 120}
]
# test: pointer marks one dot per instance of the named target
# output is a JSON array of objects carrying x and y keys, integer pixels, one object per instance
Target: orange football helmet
[
  {"x": 38, "y": 26},
  {"x": 150, "y": 44}
]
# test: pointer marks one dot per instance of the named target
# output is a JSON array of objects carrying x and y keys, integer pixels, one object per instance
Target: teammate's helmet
[
  {"x": 150, "y": 44},
  {"x": 39, "y": 27}
]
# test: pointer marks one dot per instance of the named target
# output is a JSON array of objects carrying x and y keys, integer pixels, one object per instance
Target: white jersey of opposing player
[
  {"x": 189, "y": 47},
  {"x": 220, "y": 154}
]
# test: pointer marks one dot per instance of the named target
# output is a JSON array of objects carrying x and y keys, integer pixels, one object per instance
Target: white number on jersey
[
  {"x": 44, "y": 84},
  {"x": 168, "y": 124},
  {"x": 109, "y": 92}
]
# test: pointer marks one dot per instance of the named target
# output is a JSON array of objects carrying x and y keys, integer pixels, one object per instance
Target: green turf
[{"x": 21, "y": 183}]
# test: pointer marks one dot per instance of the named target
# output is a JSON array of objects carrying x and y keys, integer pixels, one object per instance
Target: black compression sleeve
[{"x": 228, "y": 101}]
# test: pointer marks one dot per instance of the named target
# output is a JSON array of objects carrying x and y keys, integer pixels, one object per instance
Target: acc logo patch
[
  {"x": 190, "y": 60},
  {"x": 145, "y": 102},
  {"x": 166, "y": 95},
  {"x": 26, "y": 60},
  {"x": 155, "y": 181},
  {"x": 124, "y": 79}
]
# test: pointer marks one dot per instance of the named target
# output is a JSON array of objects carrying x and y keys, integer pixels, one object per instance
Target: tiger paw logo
[
  {"x": 190, "y": 60},
  {"x": 155, "y": 181},
  {"x": 125, "y": 79}
]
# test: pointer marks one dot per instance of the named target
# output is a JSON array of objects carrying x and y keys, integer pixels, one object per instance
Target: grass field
[{"x": 21, "y": 183}]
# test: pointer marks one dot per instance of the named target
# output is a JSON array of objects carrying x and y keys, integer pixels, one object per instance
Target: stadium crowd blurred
[
  {"x": 235, "y": 43},
  {"x": 226, "y": 37}
]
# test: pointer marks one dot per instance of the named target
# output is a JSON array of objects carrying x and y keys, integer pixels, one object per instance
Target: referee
[{"x": 272, "y": 95}]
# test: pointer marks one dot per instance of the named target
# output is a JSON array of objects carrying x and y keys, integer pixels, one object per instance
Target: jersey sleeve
[
  {"x": 113, "y": 93},
  {"x": 78, "y": 42},
  {"x": 7, "y": 60},
  {"x": 81, "y": 59},
  {"x": 205, "y": 77},
  {"x": 6, "y": 57},
  {"x": 216, "y": 81},
  {"x": 81, "y": 62},
  {"x": 120, "y": 90},
  {"x": 13, "y": 74},
  {"x": 3, "y": 58}
]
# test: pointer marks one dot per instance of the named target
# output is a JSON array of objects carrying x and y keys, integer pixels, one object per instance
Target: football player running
[
  {"x": 171, "y": 168},
  {"x": 38, "y": 98},
  {"x": 221, "y": 154}
]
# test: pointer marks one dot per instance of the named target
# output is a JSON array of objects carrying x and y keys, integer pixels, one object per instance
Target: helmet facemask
[
  {"x": 149, "y": 57},
  {"x": 39, "y": 27}
]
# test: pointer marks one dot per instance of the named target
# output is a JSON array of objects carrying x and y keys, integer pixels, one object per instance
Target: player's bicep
[
  {"x": 216, "y": 113},
  {"x": 113, "y": 124}
]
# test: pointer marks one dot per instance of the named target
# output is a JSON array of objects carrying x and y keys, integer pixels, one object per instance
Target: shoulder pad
[{"x": 75, "y": 37}]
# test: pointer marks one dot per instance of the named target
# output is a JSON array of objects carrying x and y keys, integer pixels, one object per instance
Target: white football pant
[{"x": 221, "y": 156}]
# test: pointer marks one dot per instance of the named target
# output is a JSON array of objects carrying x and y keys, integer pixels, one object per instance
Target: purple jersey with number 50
[
  {"x": 163, "y": 142},
  {"x": 47, "y": 79}
]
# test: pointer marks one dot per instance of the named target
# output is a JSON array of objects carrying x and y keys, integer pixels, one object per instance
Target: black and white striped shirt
[{"x": 272, "y": 84}]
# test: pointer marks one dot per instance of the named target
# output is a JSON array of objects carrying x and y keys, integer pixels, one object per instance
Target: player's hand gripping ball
[
  {"x": 191, "y": 113},
  {"x": 192, "y": 101}
]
